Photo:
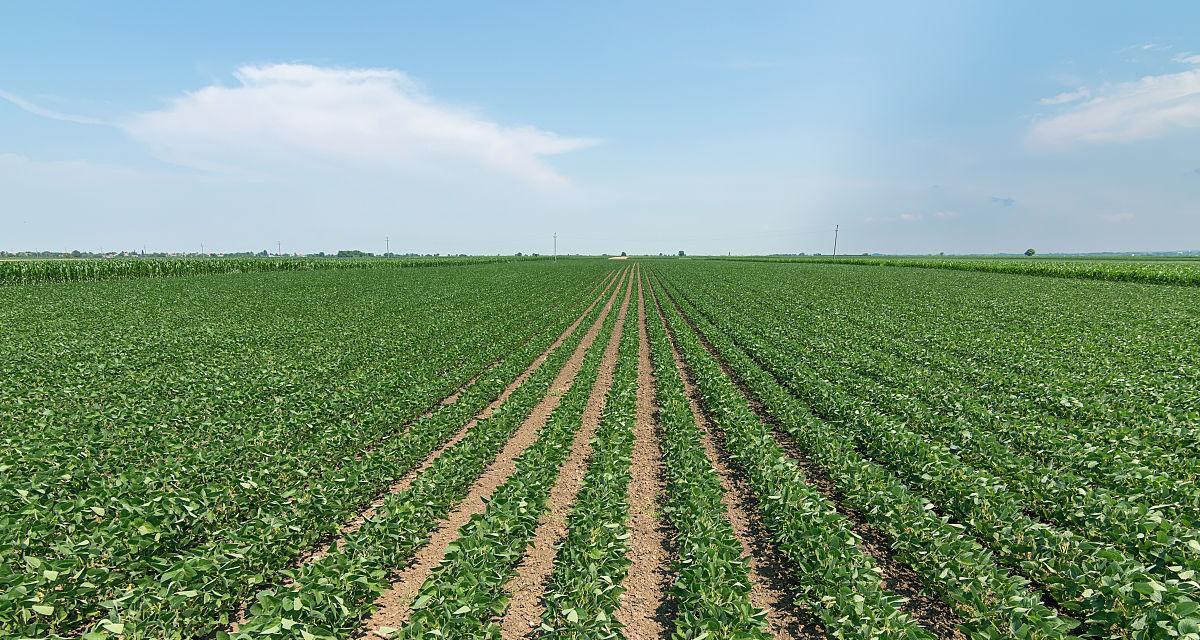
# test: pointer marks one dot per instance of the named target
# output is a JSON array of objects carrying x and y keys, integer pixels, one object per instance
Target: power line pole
[
  {"x": 835, "y": 234},
  {"x": 387, "y": 245},
  {"x": 556, "y": 245},
  {"x": 278, "y": 248}
]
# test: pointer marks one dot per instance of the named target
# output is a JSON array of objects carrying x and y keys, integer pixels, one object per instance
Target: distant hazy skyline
[{"x": 641, "y": 127}]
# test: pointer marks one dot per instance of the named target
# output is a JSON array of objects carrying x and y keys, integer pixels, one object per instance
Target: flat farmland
[{"x": 585, "y": 448}]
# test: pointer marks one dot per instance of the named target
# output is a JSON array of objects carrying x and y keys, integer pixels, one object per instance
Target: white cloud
[
  {"x": 1148, "y": 108},
  {"x": 1068, "y": 96},
  {"x": 1187, "y": 58},
  {"x": 1117, "y": 218},
  {"x": 26, "y": 105},
  {"x": 912, "y": 217},
  {"x": 288, "y": 115}
]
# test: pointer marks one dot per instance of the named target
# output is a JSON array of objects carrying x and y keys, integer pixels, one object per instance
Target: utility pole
[
  {"x": 387, "y": 245},
  {"x": 835, "y": 234},
  {"x": 278, "y": 248},
  {"x": 201, "y": 248},
  {"x": 556, "y": 245}
]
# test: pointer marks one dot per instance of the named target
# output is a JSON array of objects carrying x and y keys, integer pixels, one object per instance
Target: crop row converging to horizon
[{"x": 656, "y": 448}]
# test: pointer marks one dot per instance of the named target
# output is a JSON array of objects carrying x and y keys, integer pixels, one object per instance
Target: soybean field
[{"x": 651, "y": 448}]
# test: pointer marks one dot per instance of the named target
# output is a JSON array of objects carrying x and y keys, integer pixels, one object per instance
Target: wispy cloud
[
  {"x": 1117, "y": 218},
  {"x": 1067, "y": 96},
  {"x": 1003, "y": 201},
  {"x": 377, "y": 117},
  {"x": 282, "y": 116},
  {"x": 912, "y": 217},
  {"x": 1144, "y": 46},
  {"x": 36, "y": 110},
  {"x": 1126, "y": 112}
]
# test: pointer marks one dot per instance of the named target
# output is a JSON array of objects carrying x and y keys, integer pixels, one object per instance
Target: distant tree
[
  {"x": 681, "y": 254},
  {"x": 623, "y": 254},
  {"x": 1030, "y": 252},
  {"x": 519, "y": 254}
]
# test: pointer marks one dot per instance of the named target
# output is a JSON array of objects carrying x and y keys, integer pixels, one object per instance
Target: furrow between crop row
[
  {"x": 469, "y": 589},
  {"x": 355, "y": 571},
  {"x": 731, "y": 578},
  {"x": 836, "y": 579},
  {"x": 1113, "y": 595}
]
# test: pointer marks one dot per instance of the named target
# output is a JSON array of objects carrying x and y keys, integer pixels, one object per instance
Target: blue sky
[{"x": 455, "y": 127}]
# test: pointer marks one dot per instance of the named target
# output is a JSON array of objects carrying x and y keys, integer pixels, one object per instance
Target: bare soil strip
[
  {"x": 321, "y": 549},
  {"x": 641, "y": 610},
  {"x": 525, "y": 589},
  {"x": 770, "y": 588},
  {"x": 395, "y": 605},
  {"x": 407, "y": 480},
  {"x": 930, "y": 611},
  {"x": 404, "y": 482}
]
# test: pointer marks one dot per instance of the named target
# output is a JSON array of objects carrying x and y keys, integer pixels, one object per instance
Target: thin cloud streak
[
  {"x": 280, "y": 117},
  {"x": 1068, "y": 96},
  {"x": 1148, "y": 108},
  {"x": 36, "y": 110},
  {"x": 288, "y": 114}
]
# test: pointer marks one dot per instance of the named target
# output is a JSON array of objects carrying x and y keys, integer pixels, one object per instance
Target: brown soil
[
  {"x": 319, "y": 551},
  {"x": 927, "y": 609},
  {"x": 642, "y": 609},
  {"x": 394, "y": 606},
  {"x": 770, "y": 586},
  {"x": 408, "y": 478},
  {"x": 525, "y": 589}
]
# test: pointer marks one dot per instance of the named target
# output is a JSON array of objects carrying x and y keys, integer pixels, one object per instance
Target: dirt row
[
  {"x": 645, "y": 609},
  {"x": 319, "y": 550},
  {"x": 770, "y": 588},
  {"x": 405, "y": 481},
  {"x": 932, "y": 613},
  {"x": 644, "y": 605},
  {"x": 487, "y": 412},
  {"x": 525, "y": 589},
  {"x": 394, "y": 606}
]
